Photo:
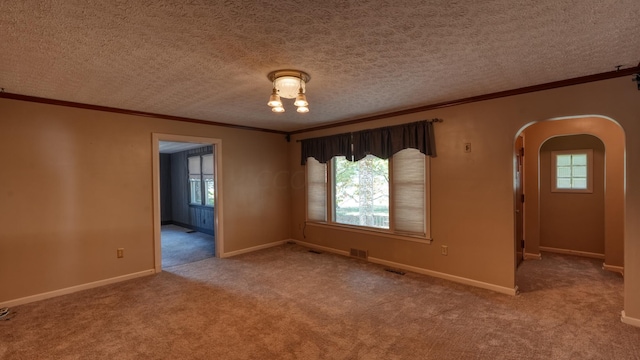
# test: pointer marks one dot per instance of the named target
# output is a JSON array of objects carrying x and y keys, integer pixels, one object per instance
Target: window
[
  {"x": 384, "y": 195},
  {"x": 385, "y": 190},
  {"x": 361, "y": 191},
  {"x": 201, "y": 184},
  {"x": 572, "y": 171}
]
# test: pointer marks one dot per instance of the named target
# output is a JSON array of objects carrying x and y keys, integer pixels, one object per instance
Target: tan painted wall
[
  {"x": 473, "y": 193},
  {"x": 93, "y": 175},
  {"x": 613, "y": 138},
  {"x": 77, "y": 184},
  {"x": 573, "y": 221}
]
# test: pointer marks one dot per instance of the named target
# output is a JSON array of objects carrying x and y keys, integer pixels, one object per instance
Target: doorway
[
  {"x": 607, "y": 139},
  {"x": 187, "y": 199},
  {"x": 571, "y": 195}
]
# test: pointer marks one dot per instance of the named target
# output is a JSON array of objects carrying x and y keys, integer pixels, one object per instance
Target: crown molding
[{"x": 490, "y": 96}]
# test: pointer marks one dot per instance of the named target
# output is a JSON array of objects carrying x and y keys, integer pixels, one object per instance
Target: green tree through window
[{"x": 361, "y": 192}]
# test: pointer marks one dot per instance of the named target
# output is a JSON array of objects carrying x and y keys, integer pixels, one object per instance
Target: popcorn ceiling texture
[{"x": 209, "y": 59}]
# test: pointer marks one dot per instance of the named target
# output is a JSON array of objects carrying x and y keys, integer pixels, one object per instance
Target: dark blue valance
[{"x": 381, "y": 142}]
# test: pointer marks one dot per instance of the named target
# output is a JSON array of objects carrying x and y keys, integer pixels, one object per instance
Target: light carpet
[
  {"x": 288, "y": 303},
  {"x": 181, "y": 246}
]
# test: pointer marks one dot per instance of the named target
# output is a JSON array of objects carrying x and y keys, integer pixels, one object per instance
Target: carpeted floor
[
  {"x": 288, "y": 303},
  {"x": 182, "y": 246}
]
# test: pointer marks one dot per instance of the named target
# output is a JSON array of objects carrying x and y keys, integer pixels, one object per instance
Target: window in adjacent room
[
  {"x": 201, "y": 184},
  {"x": 572, "y": 171}
]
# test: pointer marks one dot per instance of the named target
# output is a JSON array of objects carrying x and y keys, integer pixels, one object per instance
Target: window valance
[
  {"x": 324, "y": 148},
  {"x": 382, "y": 142}
]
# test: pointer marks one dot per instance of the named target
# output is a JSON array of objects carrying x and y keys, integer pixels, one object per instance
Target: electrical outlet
[
  {"x": 444, "y": 250},
  {"x": 120, "y": 253}
]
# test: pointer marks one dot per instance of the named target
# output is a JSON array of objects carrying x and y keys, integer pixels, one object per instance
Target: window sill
[
  {"x": 572, "y": 191},
  {"x": 370, "y": 231},
  {"x": 201, "y": 206}
]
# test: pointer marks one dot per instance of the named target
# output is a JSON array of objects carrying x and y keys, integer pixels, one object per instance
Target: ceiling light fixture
[{"x": 289, "y": 84}]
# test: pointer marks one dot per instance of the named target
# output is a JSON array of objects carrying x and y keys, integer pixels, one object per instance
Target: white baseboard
[
  {"x": 458, "y": 279},
  {"x": 614, "y": 268},
  {"x": 572, "y": 252},
  {"x": 629, "y": 320},
  {"x": 72, "y": 289},
  {"x": 454, "y": 278},
  {"x": 252, "y": 249},
  {"x": 532, "y": 256}
]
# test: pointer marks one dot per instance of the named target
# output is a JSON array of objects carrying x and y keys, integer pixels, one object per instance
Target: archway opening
[{"x": 544, "y": 231}]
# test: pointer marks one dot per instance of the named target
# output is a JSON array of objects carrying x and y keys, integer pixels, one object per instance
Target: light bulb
[
  {"x": 303, "y": 109},
  {"x": 277, "y": 109}
]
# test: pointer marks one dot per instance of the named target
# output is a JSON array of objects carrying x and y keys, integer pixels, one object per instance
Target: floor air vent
[
  {"x": 395, "y": 271},
  {"x": 360, "y": 254}
]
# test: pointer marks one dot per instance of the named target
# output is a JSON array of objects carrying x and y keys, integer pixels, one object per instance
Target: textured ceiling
[{"x": 209, "y": 60}]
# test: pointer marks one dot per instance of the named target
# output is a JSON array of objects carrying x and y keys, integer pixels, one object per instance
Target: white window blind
[
  {"x": 316, "y": 190},
  {"x": 194, "y": 165},
  {"x": 408, "y": 193},
  {"x": 207, "y": 164}
]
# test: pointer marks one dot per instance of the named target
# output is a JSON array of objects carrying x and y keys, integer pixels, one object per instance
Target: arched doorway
[
  {"x": 612, "y": 136},
  {"x": 571, "y": 195}
]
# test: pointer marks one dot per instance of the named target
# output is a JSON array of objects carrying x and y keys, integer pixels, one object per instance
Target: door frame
[
  {"x": 218, "y": 210},
  {"x": 519, "y": 177}
]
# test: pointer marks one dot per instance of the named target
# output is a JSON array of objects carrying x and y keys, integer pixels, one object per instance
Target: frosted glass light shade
[
  {"x": 274, "y": 101},
  {"x": 301, "y": 100},
  {"x": 288, "y": 86}
]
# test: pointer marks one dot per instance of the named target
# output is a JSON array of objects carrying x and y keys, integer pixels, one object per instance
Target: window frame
[
  {"x": 554, "y": 171},
  {"x": 330, "y": 222}
]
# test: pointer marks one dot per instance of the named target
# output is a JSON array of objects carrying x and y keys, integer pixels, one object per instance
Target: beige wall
[
  {"x": 473, "y": 193},
  {"x": 77, "y": 184},
  {"x": 91, "y": 172},
  {"x": 613, "y": 138},
  {"x": 571, "y": 220}
]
